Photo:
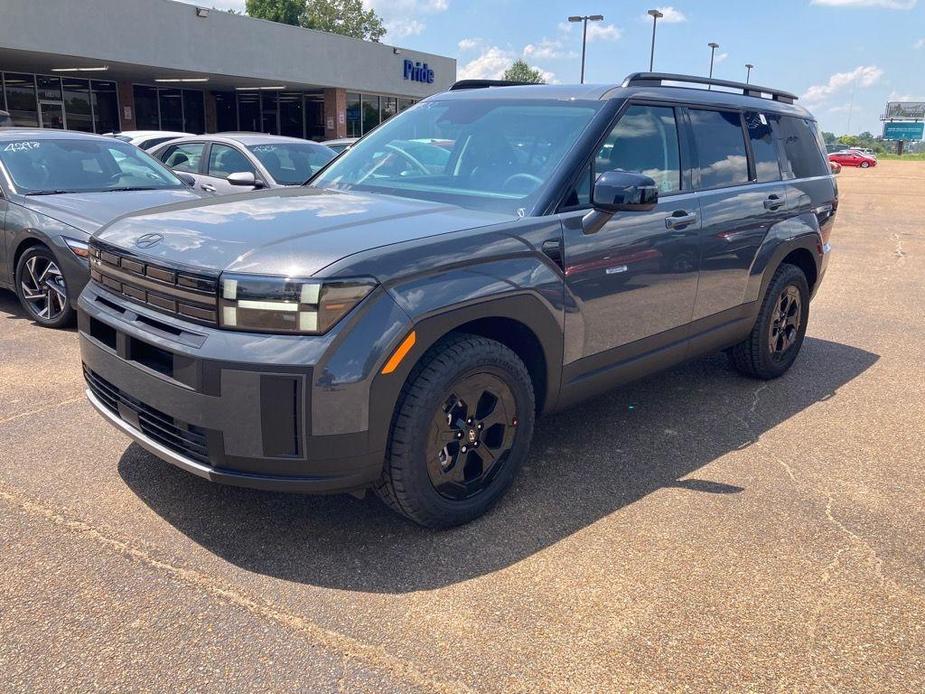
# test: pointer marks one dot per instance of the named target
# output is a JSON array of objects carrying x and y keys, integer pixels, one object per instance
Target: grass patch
[{"x": 919, "y": 156}]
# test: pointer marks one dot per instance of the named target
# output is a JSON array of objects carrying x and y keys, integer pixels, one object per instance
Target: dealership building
[{"x": 108, "y": 65}]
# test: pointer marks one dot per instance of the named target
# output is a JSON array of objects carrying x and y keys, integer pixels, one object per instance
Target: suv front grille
[
  {"x": 166, "y": 289},
  {"x": 186, "y": 439}
]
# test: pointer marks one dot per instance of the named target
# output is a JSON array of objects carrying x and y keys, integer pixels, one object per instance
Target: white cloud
[
  {"x": 603, "y": 32},
  {"x": 468, "y": 44},
  {"x": 886, "y": 4},
  {"x": 490, "y": 64},
  {"x": 671, "y": 16},
  {"x": 720, "y": 57},
  {"x": 564, "y": 27},
  {"x": 919, "y": 44},
  {"x": 400, "y": 28},
  {"x": 864, "y": 76},
  {"x": 547, "y": 49}
]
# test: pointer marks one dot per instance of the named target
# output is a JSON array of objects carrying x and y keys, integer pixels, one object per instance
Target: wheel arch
[{"x": 524, "y": 323}]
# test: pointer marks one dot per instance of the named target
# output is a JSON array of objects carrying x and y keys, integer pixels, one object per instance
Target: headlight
[
  {"x": 78, "y": 248},
  {"x": 287, "y": 305}
]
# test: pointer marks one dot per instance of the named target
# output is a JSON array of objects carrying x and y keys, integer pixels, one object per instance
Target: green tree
[
  {"x": 282, "y": 11},
  {"x": 347, "y": 17},
  {"x": 521, "y": 72},
  {"x": 828, "y": 138}
]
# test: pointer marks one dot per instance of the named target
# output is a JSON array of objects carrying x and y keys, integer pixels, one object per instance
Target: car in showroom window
[{"x": 493, "y": 154}]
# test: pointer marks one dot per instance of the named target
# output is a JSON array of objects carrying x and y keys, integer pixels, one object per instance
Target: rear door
[
  {"x": 186, "y": 157},
  {"x": 741, "y": 198},
  {"x": 637, "y": 277}
]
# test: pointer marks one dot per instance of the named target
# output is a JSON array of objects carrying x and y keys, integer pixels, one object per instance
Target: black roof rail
[
  {"x": 655, "y": 79},
  {"x": 483, "y": 84}
]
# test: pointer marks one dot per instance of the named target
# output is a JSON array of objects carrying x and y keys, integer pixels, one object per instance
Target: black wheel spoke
[{"x": 785, "y": 323}]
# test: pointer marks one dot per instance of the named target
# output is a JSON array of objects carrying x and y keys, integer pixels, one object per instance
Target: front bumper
[{"x": 236, "y": 408}]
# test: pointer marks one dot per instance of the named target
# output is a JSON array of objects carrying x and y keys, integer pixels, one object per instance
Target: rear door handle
[
  {"x": 773, "y": 202},
  {"x": 208, "y": 187},
  {"x": 679, "y": 219}
]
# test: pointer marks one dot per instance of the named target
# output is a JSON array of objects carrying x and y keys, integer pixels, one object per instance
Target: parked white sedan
[{"x": 146, "y": 139}]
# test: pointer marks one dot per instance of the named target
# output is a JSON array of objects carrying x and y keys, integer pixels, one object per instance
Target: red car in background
[{"x": 852, "y": 158}]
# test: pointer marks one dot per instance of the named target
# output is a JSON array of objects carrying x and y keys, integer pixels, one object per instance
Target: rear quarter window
[{"x": 803, "y": 154}]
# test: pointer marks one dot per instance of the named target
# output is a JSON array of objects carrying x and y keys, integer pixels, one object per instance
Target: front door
[
  {"x": 636, "y": 278},
  {"x": 51, "y": 115},
  {"x": 223, "y": 161}
]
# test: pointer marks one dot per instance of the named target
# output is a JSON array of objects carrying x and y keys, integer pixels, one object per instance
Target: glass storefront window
[
  {"x": 77, "y": 105},
  {"x": 389, "y": 107},
  {"x": 314, "y": 116},
  {"x": 354, "y": 119},
  {"x": 370, "y": 112},
  {"x": 226, "y": 112},
  {"x": 249, "y": 111},
  {"x": 171, "y": 103},
  {"x": 268, "y": 110},
  {"x": 146, "y": 112},
  {"x": 404, "y": 103},
  {"x": 194, "y": 114},
  {"x": 290, "y": 114},
  {"x": 105, "y": 106},
  {"x": 49, "y": 88},
  {"x": 20, "y": 99}
]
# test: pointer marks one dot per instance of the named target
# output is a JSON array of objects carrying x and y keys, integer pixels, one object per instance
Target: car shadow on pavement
[{"x": 585, "y": 464}]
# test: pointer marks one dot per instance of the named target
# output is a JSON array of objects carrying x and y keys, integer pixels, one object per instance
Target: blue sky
[{"x": 823, "y": 50}]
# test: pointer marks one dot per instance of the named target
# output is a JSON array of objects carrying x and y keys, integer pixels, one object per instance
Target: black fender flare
[{"x": 525, "y": 307}]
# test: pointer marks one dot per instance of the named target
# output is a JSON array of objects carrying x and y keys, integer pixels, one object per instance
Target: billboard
[
  {"x": 905, "y": 110},
  {"x": 903, "y": 131}
]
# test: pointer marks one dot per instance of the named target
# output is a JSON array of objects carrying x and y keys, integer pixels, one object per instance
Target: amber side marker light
[{"x": 400, "y": 353}]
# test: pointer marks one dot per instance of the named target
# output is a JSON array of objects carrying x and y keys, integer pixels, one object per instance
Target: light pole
[
  {"x": 656, "y": 15},
  {"x": 713, "y": 46},
  {"x": 748, "y": 75},
  {"x": 584, "y": 35}
]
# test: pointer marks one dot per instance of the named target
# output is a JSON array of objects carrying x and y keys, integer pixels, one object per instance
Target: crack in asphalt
[
  {"x": 40, "y": 410},
  {"x": 347, "y": 647}
]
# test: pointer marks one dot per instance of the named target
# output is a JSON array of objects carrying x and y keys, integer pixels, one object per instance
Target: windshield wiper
[
  {"x": 125, "y": 188},
  {"x": 51, "y": 192}
]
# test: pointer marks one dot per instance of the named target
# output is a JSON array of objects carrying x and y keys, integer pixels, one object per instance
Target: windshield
[
  {"x": 492, "y": 154},
  {"x": 43, "y": 167},
  {"x": 292, "y": 163}
]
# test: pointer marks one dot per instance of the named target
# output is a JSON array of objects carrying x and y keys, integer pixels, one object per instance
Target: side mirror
[
  {"x": 186, "y": 178},
  {"x": 619, "y": 191},
  {"x": 242, "y": 178}
]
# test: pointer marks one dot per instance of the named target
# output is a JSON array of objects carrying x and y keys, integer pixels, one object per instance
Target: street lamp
[
  {"x": 584, "y": 35},
  {"x": 748, "y": 75},
  {"x": 656, "y": 15},
  {"x": 713, "y": 46}
]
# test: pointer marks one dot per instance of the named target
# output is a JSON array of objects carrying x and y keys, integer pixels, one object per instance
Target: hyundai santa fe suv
[{"x": 400, "y": 322}]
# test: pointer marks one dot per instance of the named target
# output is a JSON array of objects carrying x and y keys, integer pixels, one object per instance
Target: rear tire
[
  {"x": 778, "y": 333},
  {"x": 442, "y": 468}
]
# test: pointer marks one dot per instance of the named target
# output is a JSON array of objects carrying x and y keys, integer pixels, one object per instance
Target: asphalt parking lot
[{"x": 696, "y": 530}]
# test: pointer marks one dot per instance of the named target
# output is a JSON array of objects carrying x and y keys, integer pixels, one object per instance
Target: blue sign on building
[
  {"x": 907, "y": 131},
  {"x": 418, "y": 72}
]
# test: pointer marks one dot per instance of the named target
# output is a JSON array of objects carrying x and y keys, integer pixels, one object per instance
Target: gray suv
[{"x": 400, "y": 322}]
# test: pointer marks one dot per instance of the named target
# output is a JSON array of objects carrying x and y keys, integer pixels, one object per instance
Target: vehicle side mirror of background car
[
  {"x": 619, "y": 191},
  {"x": 243, "y": 178},
  {"x": 186, "y": 178}
]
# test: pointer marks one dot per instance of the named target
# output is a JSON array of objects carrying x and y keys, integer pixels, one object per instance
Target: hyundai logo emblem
[{"x": 148, "y": 240}]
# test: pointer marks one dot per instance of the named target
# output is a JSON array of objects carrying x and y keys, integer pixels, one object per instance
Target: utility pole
[
  {"x": 656, "y": 15},
  {"x": 584, "y": 35},
  {"x": 748, "y": 75},
  {"x": 713, "y": 46}
]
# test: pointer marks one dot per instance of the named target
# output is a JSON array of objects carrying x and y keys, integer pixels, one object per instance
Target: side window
[
  {"x": 183, "y": 157},
  {"x": 720, "y": 145},
  {"x": 645, "y": 140},
  {"x": 803, "y": 157},
  {"x": 225, "y": 160},
  {"x": 764, "y": 147}
]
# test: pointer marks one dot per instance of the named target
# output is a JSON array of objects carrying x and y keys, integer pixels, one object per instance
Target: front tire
[
  {"x": 42, "y": 289},
  {"x": 865, "y": 165},
  {"x": 776, "y": 339},
  {"x": 460, "y": 431}
]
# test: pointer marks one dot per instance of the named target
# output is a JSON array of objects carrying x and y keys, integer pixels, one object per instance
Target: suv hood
[
  {"x": 294, "y": 232},
  {"x": 89, "y": 211}
]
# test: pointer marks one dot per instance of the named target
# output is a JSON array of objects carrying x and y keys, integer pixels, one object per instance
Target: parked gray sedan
[
  {"x": 56, "y": 189},
  {"x": 237, "y": 162}
]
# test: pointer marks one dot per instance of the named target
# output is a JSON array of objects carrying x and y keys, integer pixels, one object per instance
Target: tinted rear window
[
  {"x": 720, "y": 144},
  {"x": 803, "y": 157},
  {"x": 764, "y": 147}
]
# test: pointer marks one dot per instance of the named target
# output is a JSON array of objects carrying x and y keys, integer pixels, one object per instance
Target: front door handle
[
  {"x": 680, "y": 219},
  {"x": 774, "y": 202},
  {"x": 208, "y": 187},
  {"x": 553, "y": 250}
]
